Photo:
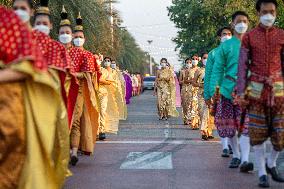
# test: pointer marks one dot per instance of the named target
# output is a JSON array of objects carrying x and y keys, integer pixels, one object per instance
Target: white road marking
[
  {"x": 148, "y": 160},
  {"x": 176, "y": 142}
]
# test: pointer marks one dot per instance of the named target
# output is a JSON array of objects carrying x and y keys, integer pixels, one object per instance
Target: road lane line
[{"x": 176, "y": 142}]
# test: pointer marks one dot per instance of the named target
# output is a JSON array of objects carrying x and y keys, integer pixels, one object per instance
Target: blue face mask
[
  {"x": 204, "y": 62},
  {"x": 113, "y": 66}
]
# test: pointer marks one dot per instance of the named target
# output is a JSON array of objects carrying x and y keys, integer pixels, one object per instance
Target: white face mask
[
  {"x": 188, "y": 65},
  {"x": 42, "y": 28},
  {"x": 163, "y": 65},
  {"x": 225, "y": 38},
  {"x": 204, "y": 62},
  {"x": 241, "y": 28},
  {"x": 194, "y": 62},
  {"x": 24, "y": 15},
  {"x": 79, "y": 42},
  {"x": 65, "y": 38},
  {"x": 113, "y": 66},
  {"x": 267, "y": 20},
  {"x": 107, "y": 63}
]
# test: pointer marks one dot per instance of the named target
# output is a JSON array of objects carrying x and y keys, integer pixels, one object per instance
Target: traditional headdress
[
  {"x": 79, "y": 24},
  {"x": 64, "y": 18},
  {"x": 43, "y": 8}
]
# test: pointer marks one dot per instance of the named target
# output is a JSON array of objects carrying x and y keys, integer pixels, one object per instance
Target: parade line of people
[
  {"x": 238, "y": 87},
  {"x": 56, "y": 100}
]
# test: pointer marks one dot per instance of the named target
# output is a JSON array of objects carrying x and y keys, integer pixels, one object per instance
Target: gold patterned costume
[
  {"x": 166, "y": 93},
  {"x": 189, "y": 98},
  {"x": 120, "y": 94},
  {"x": 206, "y": 120},
  {"x": 39, "y": 133},
  {"x": 33, "y": 127}
]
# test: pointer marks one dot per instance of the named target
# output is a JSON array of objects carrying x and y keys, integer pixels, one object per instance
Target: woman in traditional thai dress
[
  {"x": 120, "y": 91},
  {"x": 128, "y": 85},
  {"x": 206, "y": 123},
  {"x": 185, "y": 92},
  {"x": 165, "y": 90},
  {"x": 178, "y": 95},
  {"x": 134, "y": 85},
  {"x": 109, "y": 114},
  {"x": 29, "y": 127},
  {"x": 56, "y": 55},
  {"x": 82, "y": 101},
  {"x": 189, "y": 94}
]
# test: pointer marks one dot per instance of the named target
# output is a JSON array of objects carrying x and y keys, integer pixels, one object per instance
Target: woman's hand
[{"x": 9, "y": 75}]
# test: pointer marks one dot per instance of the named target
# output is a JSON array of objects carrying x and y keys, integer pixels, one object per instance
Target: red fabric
[
  {"x": 56, "y": 56},
  {"x": 53, "y": 51},
  {"x": 90, "y": 64},
  {"x": 82, "y": 61},
  {"x": 265, "y": 50},
  {"x": 62, "y": 77},
  {"x": 72, "y": 97},
  {"x": 77, "y": 57},
  {"x": 16, "y": 42}
]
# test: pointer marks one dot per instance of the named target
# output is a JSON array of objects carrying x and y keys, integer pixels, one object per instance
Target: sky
[{"x": 148, "y": 20}]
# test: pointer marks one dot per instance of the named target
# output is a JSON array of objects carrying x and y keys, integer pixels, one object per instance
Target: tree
[
  {"x": 97, "y": 27},
  {"x": 199, "y": 20}
]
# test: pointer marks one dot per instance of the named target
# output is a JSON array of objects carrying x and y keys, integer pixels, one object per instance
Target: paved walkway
[{"x": 152, "y": 154}]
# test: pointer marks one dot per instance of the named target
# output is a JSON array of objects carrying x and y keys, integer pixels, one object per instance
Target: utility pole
[
  {"x": 111, "y": 23},
  {"x": 150, "y": 59}
]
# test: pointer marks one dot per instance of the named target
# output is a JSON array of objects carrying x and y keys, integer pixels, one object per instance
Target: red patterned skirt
[{"x": 227, "y": 118}]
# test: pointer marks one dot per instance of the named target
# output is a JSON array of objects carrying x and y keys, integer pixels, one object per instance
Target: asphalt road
[{"x": 151, "y": 154}]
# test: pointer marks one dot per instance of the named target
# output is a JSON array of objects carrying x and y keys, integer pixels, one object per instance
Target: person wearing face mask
[
  {"x": 85, "y": 120},
  {"x": 56, "y": 55},
  {"x": 109, "y": 114},
  {"x": 193, "y": 95},
  {"x": 186, "y": 92},
  {"x": 79, "y": 40},
  {"x": 263, "y": 90},
  {"x": 138, "y": 75},
  {"x": 128, "y": 84},
  {"x": 120, "y": 90},
  {"x": 134, "y": 84},
  {"x": 27, "y": 90},
  {"x": 77, "y": 58},
  {"x": 203, "y": 111},
  {"x": 165, "y": 90},
  {"x": 228, "y": 113},
  {"x": 59, "y": 63},
  {"x": 223, "y": 34}
]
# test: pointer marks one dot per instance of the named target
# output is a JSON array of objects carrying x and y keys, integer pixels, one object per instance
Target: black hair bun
[
  {"x": 64, "y": 14},
  {"x": 44, "y": 3},
  {"x": 79, "y": 20}
]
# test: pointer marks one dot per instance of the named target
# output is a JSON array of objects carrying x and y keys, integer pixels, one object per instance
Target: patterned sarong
[{"x": 227, "y": 118}]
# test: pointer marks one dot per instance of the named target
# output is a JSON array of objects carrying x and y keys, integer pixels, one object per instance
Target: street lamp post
[
  {"x": 111, "y": 22},
  {"x": 150, "y": 59}
]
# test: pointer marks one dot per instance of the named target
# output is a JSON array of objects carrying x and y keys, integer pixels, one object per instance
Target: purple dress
[{"x": 128, "y": 84}]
